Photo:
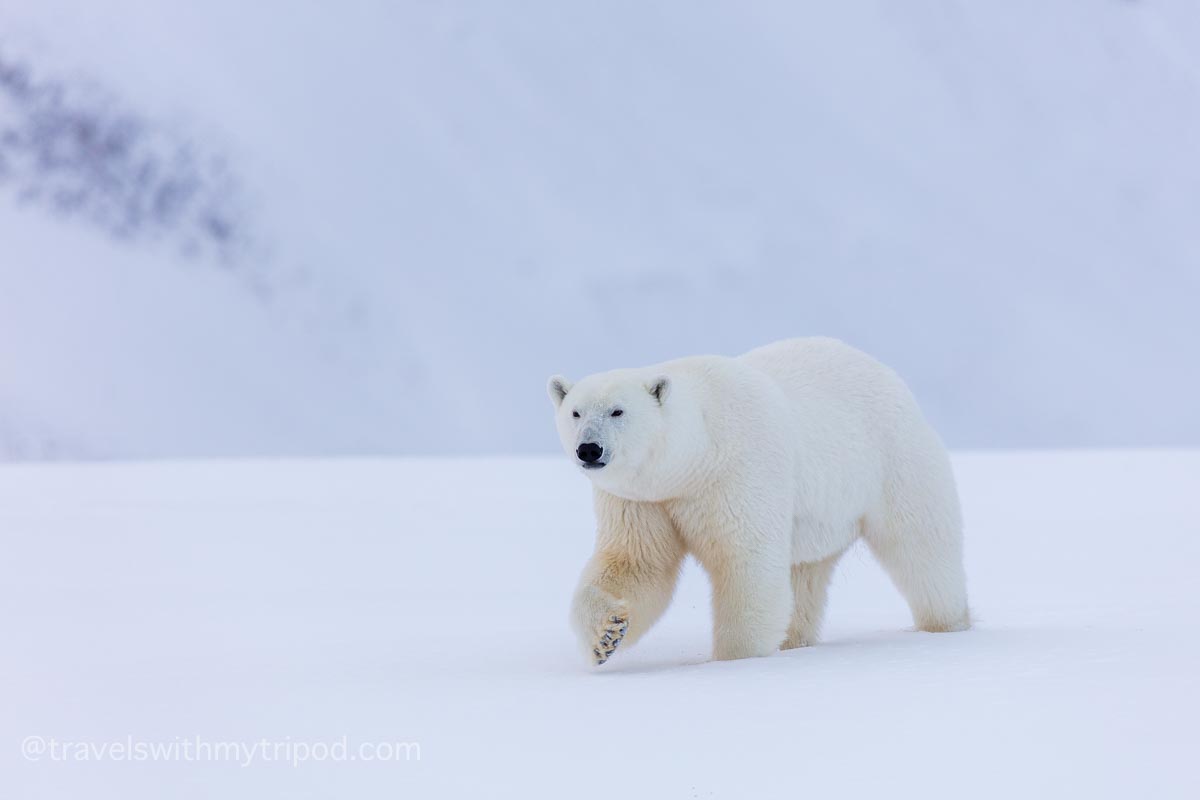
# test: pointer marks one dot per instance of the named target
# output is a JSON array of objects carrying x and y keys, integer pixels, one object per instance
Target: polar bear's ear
[
  {"x": 659, "y": 388},
  {"x": 557, "y": 387}
]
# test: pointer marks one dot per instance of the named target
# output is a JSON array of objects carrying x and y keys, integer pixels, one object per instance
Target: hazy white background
[
  {"x": 438, "y": 204},
  {"x": 266, "y": 228}
]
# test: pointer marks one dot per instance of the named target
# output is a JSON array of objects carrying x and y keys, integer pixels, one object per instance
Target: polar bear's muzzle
[{"x": 589, "y": 455}]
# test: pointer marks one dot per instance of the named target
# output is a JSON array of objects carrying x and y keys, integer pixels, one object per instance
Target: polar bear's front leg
[
  {"x": 747, "y": 554},
  {"x": 752, "y": 604},
  {"x": 629, "y": 580},
  {"x": 810, "y": 585}
]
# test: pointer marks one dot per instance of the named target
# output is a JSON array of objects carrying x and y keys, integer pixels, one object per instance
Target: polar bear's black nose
[{"x": 589, "y": 452}]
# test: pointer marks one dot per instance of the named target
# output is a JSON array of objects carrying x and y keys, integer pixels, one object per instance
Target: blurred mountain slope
[{"x": 446, "y": 203}]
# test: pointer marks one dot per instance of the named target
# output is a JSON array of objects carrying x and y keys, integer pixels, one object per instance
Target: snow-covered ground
[
  {"x": 425, "y": 601},
  {"x": 453, "y": 200}
]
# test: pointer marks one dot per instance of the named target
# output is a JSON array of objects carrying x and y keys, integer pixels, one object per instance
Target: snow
[
  {"x": 425, "y": 600},
  {"x": 996, "y": 199}
]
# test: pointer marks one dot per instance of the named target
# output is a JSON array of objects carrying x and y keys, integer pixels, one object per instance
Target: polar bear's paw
[{"x": 610, "y": 634}]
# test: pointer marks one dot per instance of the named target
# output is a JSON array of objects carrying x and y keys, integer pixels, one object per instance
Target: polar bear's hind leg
[
  {"x": 930, "y": 576},
  {"x": 919, "y": 544}
]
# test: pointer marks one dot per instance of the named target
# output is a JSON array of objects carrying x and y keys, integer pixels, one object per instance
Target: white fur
[{"x": 765, "y": 467}]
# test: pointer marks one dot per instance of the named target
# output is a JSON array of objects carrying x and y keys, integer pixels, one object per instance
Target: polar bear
[{"x": 766, "y": 468}]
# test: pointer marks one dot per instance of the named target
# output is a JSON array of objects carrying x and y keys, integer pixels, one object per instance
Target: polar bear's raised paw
[{"x": 611, "y": 634}]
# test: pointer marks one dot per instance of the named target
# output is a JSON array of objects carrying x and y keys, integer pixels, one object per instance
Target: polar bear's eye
[
  {"x": 618, "y": 413},
  {"x": 575, "y": 414}
]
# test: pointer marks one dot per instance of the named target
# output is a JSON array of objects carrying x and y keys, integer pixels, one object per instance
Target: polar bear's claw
[{"x": 613, "y": 633}]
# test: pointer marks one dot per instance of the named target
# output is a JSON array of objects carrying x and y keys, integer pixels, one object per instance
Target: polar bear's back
[
  {"x": 821, "y": 370},
  {"x": 854, "y": 418}
]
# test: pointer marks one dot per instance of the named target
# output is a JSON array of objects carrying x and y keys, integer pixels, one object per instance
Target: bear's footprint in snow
[{"x": 611, "y": 635}]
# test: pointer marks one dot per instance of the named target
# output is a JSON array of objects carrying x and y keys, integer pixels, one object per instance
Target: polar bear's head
[{"x": 622, "y": 429}]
